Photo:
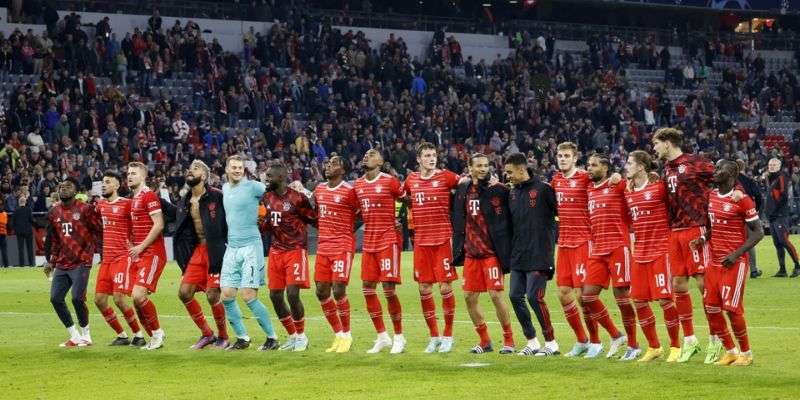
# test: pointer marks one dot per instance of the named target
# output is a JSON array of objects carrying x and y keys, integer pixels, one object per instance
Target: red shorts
[
  {"x": 432, "y": 264},
  {"x": 651, "y": 280},
  {"x": 115, "y": 276},
  {"x": 197, "y": 271},
  {"x": 381, "y": 266},
  {"x": 616, "y": 266},
  {"x": 683, "y": 260},
  {"x": 482, "y": 274},
  {"x": 333, "y": 268},
  {"x": 571, "y": 265},
  {"x": 288, "y": 267},
  {"x": 148, "y": 269},
  {"x": 724, "y": 287}
]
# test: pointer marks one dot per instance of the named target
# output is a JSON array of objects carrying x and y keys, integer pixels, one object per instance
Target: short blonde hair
[
  {"x": 139, "y": 166},
  {"x": 235, "y": 157},
  {"x": 202, "y": 166}
]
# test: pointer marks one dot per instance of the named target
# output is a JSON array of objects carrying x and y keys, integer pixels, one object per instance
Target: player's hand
[
  {"x": 493, "y": 180},
  {"x": 737, "y": 195},
  {"x": 694, "y": 244},
  {"x": 464, "y": 179},
  {"x": 398, "y": 225},
  {"x": 729, "y": 260},
  {"x": 615, "y": 178},
  {"x": 134, "y": 251},
  {"x": 47, "y": 268}
]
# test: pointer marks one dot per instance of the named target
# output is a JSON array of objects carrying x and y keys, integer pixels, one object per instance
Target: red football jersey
[
  {"x": 478, "y": 243},
  {"x": 430, "y": 205},
  {"x": 687, "y": 180},
  {"x": 74, "y": 231},
  {"x": 287, "y": 217},
  {"x": 336, "y": 213},
  {"x": 116, "y": 218},
  {"x": 573, "y": 211},
  {"x": 376, "y": 198},
  {"x": 649, "y": 221},
  {"x": 145, "y": 204},
  {"x": 607, "y": 215},
  {"x": 728, "y": 223}
]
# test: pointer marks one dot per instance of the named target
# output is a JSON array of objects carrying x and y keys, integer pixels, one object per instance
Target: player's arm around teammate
[{"x": 482, "y": 244}]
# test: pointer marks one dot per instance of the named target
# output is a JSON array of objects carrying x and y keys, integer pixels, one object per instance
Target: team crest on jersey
[
  {"x": 115, "y": 209},
  {"x": 648, "y": 195},
  {"x": 76, "y": 216},
  {"x": 378, "y": 189},
  {"x": 573, "y": 184},
  {"x": 212, "y": 210},
  {"x": 286, "y": 206},
  {"x": 681, "y": 169},
  {"x": 435, "y": 183},
  {"x": 495, "y": 202},
  {"x": 726, "y": 207},
  {"x": 337, "y": 199},
  {"x": 605, "y": 191},
  {"x": 533, "y": 194}
]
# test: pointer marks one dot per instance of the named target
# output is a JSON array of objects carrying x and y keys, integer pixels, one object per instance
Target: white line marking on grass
[
  {"x": 475, "y": 365},
  {"x": 14, "y": 313}
]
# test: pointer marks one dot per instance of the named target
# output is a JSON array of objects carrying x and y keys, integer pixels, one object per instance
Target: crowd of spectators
[{"x": 311, "y": 90}]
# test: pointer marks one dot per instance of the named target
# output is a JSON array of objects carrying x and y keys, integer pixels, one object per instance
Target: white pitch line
[{"x": 13, "y": 313}]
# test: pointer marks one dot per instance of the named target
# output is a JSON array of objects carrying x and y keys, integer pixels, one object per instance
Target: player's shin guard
[
  {"x": 647, "y": 320},
  {"x": 196, "y": 313},
  {"x": 672, "y": 322},
  {"x": 719, "y": 327},
  {"x": 395, "y": 310},
  {"x": 148, "y": 310},
  {"x": 599, "y": 313},
  {"x": 219, "y": 318},
  {"x": 628, "y": 319},
  {"x": 130, "y": 318},
  {"x": 740, "y": 331},
  {"x": 449, "y": 311},
  {"x": 234, "y": 314},
  {"x": 262, "y": 315},
  {"x": 429, "y": 312},
  {"x": 330, "y": 312},
  {"x": 573, "y": 317},
  {"x": 343, "y": 309},
  {"x": 374, "y": 309},
  {"x": 683, "y": 302},
  {"x": 112, "y": 320}
]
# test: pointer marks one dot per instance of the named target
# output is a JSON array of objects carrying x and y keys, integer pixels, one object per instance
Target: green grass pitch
[{"x": 34, "y": 367}]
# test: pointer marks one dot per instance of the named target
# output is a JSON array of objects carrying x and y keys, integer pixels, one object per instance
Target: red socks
[
  {"x": 647, "y": 320},
  {"x": 395, "y": 310},
  {"x": 591, "y": 324},
  {"x": 483, "y": 333},
  {"x": 219, "y": 318},
  {"x": 599, "y": 313},
  {"x": 300, "y": 326},
  {"x": 740, "y": 331},
  {"x": 672, "y": 322},
  {"x": 628, "y": 319},
  {"x": 719, "y": 327},
  {"x": 343, "y": 309},
  {"x": 449, "y": 310},
  {"x": 683, "y": 301},
  {"x": 196, "y": 313},
  {"x": 288, "y": 324},
  {"x": 508, "y": 336},
  {"x": 374, "y": 309},
  {"x": 429, "y": 312},
  {"x": 130, "y": 318},
  {"x": 112, "y": 320},
  {"x": 149, "y": 316},
  {"x": 329, "y": 309},
  {"x": 574, "y": 319}
]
